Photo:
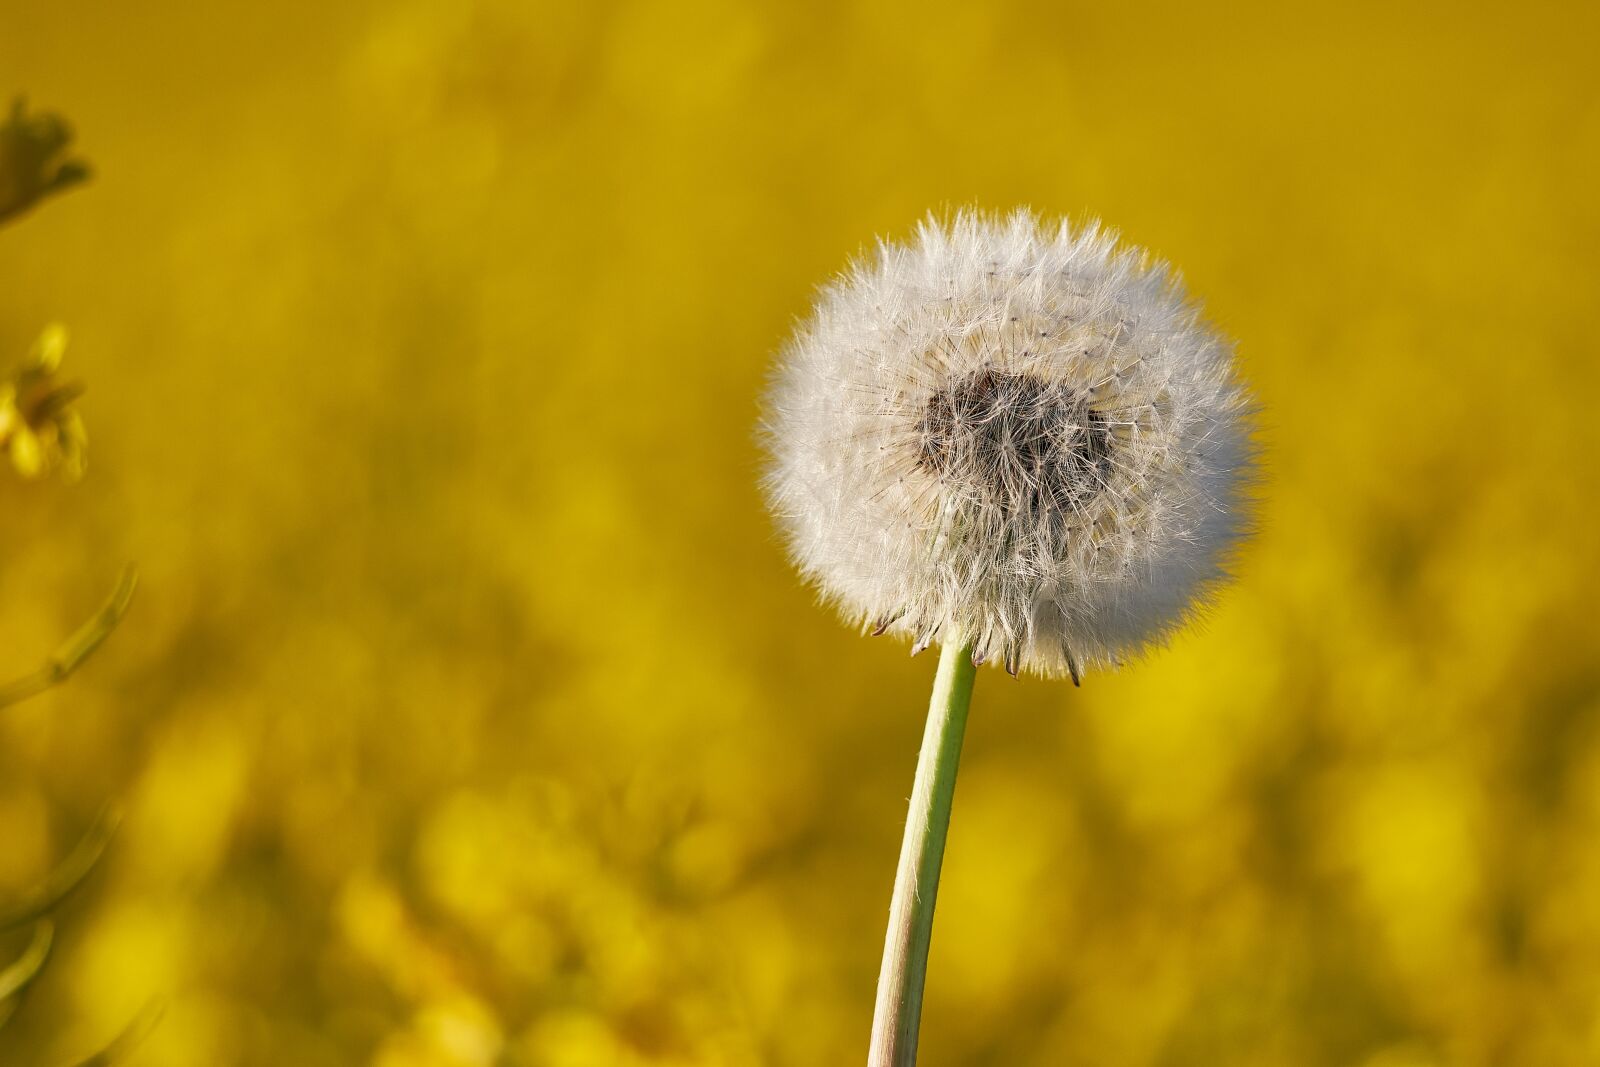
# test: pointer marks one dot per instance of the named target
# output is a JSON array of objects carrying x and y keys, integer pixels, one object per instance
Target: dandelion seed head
[{"x": 1013, "y": 430}]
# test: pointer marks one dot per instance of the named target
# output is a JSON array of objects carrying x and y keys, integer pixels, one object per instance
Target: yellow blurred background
[{"x": 469, "y": 713}]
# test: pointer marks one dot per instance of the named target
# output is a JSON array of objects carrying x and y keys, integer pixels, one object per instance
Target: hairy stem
[{"x": 916, "y": 882}]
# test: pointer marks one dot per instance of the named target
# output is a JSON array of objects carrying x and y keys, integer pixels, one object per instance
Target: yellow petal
[
  {"x": 27, "y": 452},
  {"x": 47, "y": 350}
]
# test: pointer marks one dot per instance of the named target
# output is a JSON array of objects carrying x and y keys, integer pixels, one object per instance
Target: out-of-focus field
[{"x": 469, "y": 712}]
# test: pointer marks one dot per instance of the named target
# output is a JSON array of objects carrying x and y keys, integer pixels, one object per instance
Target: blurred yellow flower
[
  {"x": 31, "y": 159},
  {"x": 437, "y": 356},
  {"x": 39, "y": 430}
]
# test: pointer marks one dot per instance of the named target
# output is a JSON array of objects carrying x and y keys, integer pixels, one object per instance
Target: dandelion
[
  {"x": 40, "y": 431},
  {"x": 1019, "y": 441}
]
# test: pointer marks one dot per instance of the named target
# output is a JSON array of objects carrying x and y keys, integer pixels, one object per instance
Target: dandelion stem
[{"x": 916, "y": 882}]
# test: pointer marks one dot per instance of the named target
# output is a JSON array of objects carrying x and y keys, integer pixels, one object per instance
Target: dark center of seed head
[{"x": 1025, "y": 441}]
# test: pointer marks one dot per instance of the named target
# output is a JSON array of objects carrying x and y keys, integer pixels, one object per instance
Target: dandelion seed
[{"x": 1016, "y": 432}]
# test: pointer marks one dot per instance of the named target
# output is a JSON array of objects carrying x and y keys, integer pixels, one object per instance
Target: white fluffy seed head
[{"x": 1011, "y": 433}]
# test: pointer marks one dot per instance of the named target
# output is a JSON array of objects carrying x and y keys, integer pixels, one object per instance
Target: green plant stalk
[{"x": 896, "y": 1019}]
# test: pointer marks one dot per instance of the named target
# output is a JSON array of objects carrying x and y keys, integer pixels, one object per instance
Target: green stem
[{"x": 916, "y": 882}]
